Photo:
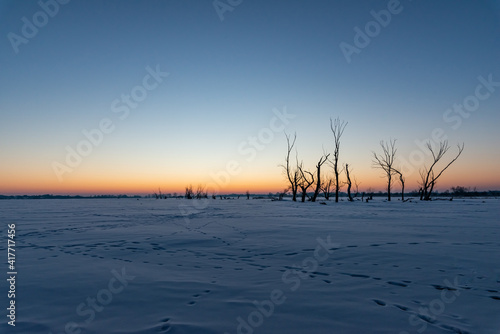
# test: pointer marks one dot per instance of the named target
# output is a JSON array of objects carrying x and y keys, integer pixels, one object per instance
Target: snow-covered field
[{"x": 253, "y": 266}]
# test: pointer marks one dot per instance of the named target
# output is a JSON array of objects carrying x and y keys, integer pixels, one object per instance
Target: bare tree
[
  {"x": 306, "y": 180},
  {"x": 356, "y": 183},
  {"x": 159, "y": 195},
  {"x": 201, "y": 192},
  {"x": 293, "y": 175},
  {"x": 402, "y": 181},
  {"x": 337, "y": 126},
  {"x": 349, "y": 183},
  {"x": 385, "y": 161},
  {"x": 189, "y": 192},
  {"x": 320, "y": 163},
  {"x": 282, "y": 194},
  {"x": 327, "y": 187},
  {"x": 428, "y": 175},
  {"x": 369, "y": 194}
]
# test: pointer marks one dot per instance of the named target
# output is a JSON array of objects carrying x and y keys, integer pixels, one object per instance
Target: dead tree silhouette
[
  {"x": 402, "y": 181},
  {"x": 428, "y": 176},
  {"x": 385, "y": 162},
  {"x": 349, "y": 183},
  {"x": 189, "y": 192},
  {"x": 327, "y": 187},
  {"x": 337, "y": 126},
  {"x": 320, "y": 163},
  {"x": 306, "y": 180},
  {"x": 293, "y": 175}
]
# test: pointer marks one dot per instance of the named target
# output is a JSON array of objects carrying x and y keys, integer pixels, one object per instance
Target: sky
[{"x": 128, "y": 96}]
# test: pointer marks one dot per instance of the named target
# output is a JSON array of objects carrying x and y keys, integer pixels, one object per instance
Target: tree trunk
[
  {"x": 402, "y": 190},
  {"x": 428, "y": 195},
  {"x": 389, "y": 188},
  {"x": 318, "y": 184},
  {"x": 348, "y": 183},
  {"x": 336, "y": 183}
]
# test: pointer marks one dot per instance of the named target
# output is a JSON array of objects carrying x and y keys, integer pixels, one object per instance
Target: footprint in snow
[
  {"x": 401, "y": 307},
  {"x": 356, "y": 275},
  {"x": 397, "y": 284},
  {"x": 164, "y": 326},
  {"x": 197, "y": 296}
]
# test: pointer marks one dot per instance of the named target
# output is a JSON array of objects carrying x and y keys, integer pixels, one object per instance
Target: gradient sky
[{"x": 227, "y": 79}]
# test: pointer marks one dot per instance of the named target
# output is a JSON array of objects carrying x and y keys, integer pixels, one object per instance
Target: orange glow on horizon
[
  {"x": 257, "y": 179},
  {"x": 264, "y": 186}
]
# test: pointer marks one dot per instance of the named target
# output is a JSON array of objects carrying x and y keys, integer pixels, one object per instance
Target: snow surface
[{"x": 388, "y": 267}]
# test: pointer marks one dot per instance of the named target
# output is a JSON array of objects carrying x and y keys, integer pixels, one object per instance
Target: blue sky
[{"x": 226, "y": 77}]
